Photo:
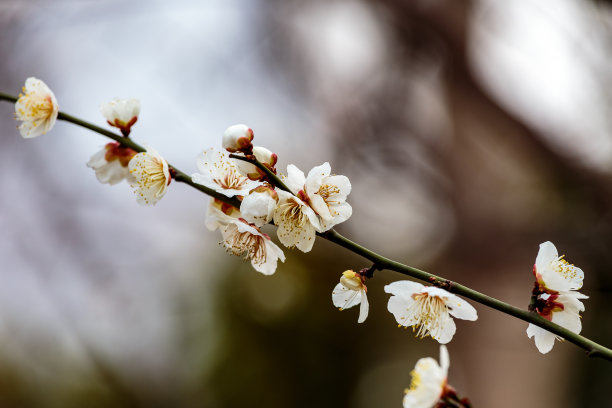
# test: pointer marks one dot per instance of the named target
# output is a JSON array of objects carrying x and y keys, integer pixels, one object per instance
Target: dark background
[{"x": 471, "y": 131}]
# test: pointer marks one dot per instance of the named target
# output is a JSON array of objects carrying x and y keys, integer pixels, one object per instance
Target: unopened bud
[
  {"x": 265, "y": 156},
  {"x": 258, "y": 207},
  {"x": 121, "y": 113},
  {"x": 238, "y": 138},
  {"x": 351, "y": 280}
]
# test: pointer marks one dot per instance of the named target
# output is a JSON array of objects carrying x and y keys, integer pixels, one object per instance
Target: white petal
[
  {"x": 460, "y": 308},
  {"x": 428, "y": 400},
  {"x": 444, "y": 359},
  {"x": 273, "y": 254},
  {"x": 569, "y": 320},
  {"x": 398, "y": 306},
  {"x": 544, "y": 339},
  {"x": 404, "y": 288},
  {"x": 340, "y": 213},
  {"x": 445, "y": 329},
  {"x": 343, "y": 183},
  {"x": 320, "y": 206},
  {"x": 546, "y": 254},
  {"x": 345, "y": 298},
  {"x": 258, "y": 208},
  {"x": 322, "y": 170},
  {"x": 315, "y": 178},
  {"x": 365, "y": 307},
  {"x": 295, "y": 179},
  {"x": 122, "y": 109},
  {"x": 570, "y": 301},
  {"x": 112, "y": 173}
]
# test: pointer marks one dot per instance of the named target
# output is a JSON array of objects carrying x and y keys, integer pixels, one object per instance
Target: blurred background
[{"x": 471, "y": 131}]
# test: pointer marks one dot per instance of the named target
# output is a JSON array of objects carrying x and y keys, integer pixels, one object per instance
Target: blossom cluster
[
  {"x": 300, "y": 206},
  {"x": 311, "y": 204}
]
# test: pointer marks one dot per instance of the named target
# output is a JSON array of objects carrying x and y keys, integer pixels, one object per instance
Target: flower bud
[
  {"x": 237, "y": 138},
  {"x": 121, "y": 113},
  {"x": 258, "y": 207},
  {"x": 265, "y": 156},
  {"x": 351, "y": 280}
]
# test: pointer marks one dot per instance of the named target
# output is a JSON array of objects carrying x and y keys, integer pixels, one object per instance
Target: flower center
[
  {"x": 327, "y": 191},
  {"x": 37, "y": 107},
  {"x": 428, "y": 314},
  {"x": 564, "y": 268},
  {"x": 232, "y": 180},
  {"x": 291, "y": 212},
  {"x": 151, "y": 174},
  {"x": 252, "y": 246}
]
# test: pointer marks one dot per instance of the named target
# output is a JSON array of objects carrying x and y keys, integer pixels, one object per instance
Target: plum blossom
[
  {"x": 326, "y": 194},
  {"x": 427, "y": 309},
  {"x": 121, "y": 113},
  {"x": 36, "y": 108},
  {"x": 297, "y": 223},
  {"x": 352, "y": 291},
  {"x": 238, "y": 138},
  {"x": 217, "y": 171},
  {"x": 111, "y": 163},
  {"x": 429, "y": 381},
  {"x": 152, "y": 176},
  {"x": 258, "y": 207},
  {"x": 240, "y": 237},
  {"x": 555, "y": 295},
  {"x": 220, "y": 214}
]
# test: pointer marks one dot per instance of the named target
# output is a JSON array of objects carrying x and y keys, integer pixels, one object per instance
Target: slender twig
[
  {"x": 271, "y": 176},
  {"x": 592, "y": 349}
]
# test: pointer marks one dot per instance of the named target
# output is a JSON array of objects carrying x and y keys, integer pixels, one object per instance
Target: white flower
[
  {"x": 240, "y": 237},
  {"x": 554, "y": 272},
  {"x": 237, "y": 138},
  {"x": 121, "y": 113},
  {"x": 555, "y": 297},
  {"x": 37, "y": 108},
  {"x": 428, "y": 381},
  {"x": 220, "y": 214},
  {"x": 297, "y": 223},
  {"x": 220, "y": 173},
  {"x": 325, "y": 193},
  {"x": 258, "y": 207},
  {"x": 350, "y": 292},
  {"x": 111, "y": 163},
  {"x": 427, "y": 309},
  {"x": 151, "y": 175}
]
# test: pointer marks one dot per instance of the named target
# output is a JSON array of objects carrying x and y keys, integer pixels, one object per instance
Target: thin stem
[
  {"x": 125, "y": 141},
  {"x": 271, "y": 176},
  {"x": 8, "y": 97},
  {"x": 593, "y": 349},
  {"x": 380, "y": 262}
]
